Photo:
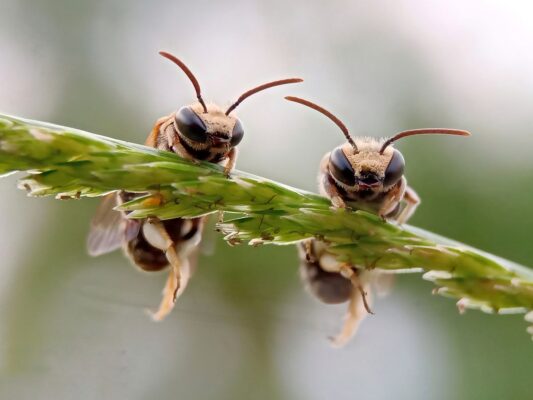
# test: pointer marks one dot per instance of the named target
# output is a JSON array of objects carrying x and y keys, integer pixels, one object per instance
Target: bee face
[
  {"x": 367, "y": 168},
  {"x": 211, "y": 129}
]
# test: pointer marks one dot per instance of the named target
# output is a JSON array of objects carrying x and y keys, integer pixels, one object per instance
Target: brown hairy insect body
[
  {"x": 365, "y": 174},
  {"x": 199, "y": 131}
]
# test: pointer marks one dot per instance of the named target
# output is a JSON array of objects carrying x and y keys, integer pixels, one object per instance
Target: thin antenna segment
[
  {"x": 332, "y": 117},
  {"x": 425, "y": 131},
  {"x": 250, "y": 92},
  {"x": 189, "y": 74}
]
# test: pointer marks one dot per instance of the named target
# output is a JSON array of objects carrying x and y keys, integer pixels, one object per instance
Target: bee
[
  {"x": 198, "y": 131},
  {"x": 365, "y": 174}
]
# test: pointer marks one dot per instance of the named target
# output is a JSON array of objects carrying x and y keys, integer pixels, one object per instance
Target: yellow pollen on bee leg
[{"x": 155, "y": 200}]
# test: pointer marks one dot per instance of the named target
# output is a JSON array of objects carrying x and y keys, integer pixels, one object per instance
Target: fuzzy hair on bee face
[
  {"x": 367, "y": 167},
  {"x": 215, "y": 119},
  {"x": 368, "y": 157}
]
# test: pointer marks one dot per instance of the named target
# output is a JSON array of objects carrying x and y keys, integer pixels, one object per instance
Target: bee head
[
  {"x": 208, "y": 129},
  {"x": 368, "y": 164},
  {"x": 208, "y": 126},
  {"x": 367, "y": 168}
]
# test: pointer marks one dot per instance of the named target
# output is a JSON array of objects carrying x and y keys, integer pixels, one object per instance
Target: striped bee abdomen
[{"x": 328, "y": 287}]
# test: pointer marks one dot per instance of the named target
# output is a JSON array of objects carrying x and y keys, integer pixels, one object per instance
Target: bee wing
[
  {"x": 109, "y": 229},
  {"x": 383, "y": 283},
  {"x": 209, "y": 242}
]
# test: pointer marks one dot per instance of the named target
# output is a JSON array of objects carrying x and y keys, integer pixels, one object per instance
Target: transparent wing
[
  {"x": 109, "y": 228},
  {"x": 383, "y": 283},
  {"x": 209, "y": 241}
]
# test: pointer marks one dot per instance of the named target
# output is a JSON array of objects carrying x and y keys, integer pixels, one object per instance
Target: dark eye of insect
[
  {"x": 340, "y": 167},
  {"x": 191, "y": 125},
  {"x": 237, "y": 134},
  {"x": 395, "y": 169}
]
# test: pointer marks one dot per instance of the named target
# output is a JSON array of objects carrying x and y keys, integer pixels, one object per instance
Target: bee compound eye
[
  {"x": 237, "y": 133},
  {"x": 395, "y": 169},
  {"x": 340, "y": 167},
  {"x": 191, "y": 125}
]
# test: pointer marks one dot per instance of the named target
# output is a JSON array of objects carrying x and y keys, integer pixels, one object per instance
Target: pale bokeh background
[{"x": 73, "y": 327}]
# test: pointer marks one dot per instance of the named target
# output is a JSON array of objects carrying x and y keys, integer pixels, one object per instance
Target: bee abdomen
[
  {"x": 328, "y": 287},
  {"x": 146, "y": 256},
  {"x": 185, "y": 233}
]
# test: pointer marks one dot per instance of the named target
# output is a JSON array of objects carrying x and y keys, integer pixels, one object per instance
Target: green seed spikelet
[{"x": 66, "y": 162}]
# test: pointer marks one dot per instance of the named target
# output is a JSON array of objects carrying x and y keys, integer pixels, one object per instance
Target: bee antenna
[
  {"x": 260, "y": 88},
  {"x": 425, "y": 131},
  {"x": 332, "y": 117},
  {"x": 189, "y": 74}
]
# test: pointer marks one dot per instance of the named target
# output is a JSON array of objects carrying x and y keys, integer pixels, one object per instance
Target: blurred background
[{"x": 72, "y": 326}]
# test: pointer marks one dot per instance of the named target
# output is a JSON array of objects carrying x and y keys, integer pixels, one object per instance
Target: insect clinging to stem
[
  {"x": 366, "y": 174},
  {"x": 200, "y": 131}
]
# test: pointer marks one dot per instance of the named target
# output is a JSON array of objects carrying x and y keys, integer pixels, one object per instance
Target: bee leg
[
  {"x": 230, "y": 163},
  {"x": 338, "y": 202},
  {"x": 411, "y": 203},
  {"x": 308, "y": 248},
  {"x": 358, "y": 307},
  {"x": 220, "y": 221},
  {"x": 220, "y": 217},
  {"x": 348, "y": 272},
  {"x": 167, "y": 303},
  {"x": 328, "y": 189},
  {"x": 176, "y": 280},
  {"x": 174, "y": 286},
  {"x": 393, "y": 197}
]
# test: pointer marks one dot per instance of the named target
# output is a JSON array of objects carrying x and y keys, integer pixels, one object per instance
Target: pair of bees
[{"x": 364, "y": 173}]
